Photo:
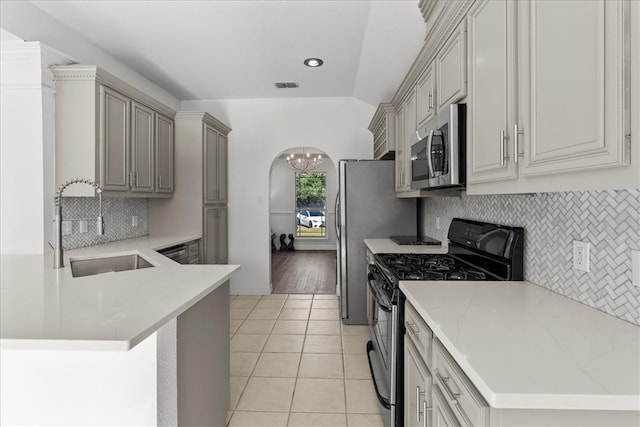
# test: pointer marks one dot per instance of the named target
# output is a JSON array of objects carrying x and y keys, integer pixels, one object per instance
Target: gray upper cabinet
[
  {"x": 164, "y": 154},
  {"x": 142, "y": 174},
  {"x": 114, "y": 140},
  {"x": 108, "y": 131},
  {"x": 215, "y": 172}
]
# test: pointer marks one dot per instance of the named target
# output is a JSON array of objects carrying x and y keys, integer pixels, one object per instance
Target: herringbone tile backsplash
[
  {"x": 609, "y": 220},
  {"x": 117, "y": 213}
]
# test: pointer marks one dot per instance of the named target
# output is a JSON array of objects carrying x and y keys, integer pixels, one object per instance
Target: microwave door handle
[{"x": 429, "y": 163}]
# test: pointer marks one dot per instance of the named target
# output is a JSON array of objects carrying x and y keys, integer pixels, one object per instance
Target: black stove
[{"x": 477, "y": 251}]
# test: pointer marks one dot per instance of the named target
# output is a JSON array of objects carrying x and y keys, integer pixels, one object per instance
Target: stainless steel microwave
[{"x": 438, "y": 158}]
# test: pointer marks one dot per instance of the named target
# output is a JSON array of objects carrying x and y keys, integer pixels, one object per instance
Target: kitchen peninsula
[{"x": 118, "y": 347}]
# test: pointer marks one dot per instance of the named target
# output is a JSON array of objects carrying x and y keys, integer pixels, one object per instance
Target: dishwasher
[{"x": 184, "y": 253}]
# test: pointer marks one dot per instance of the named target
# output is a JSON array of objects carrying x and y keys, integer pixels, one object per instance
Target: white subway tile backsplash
[
  {"x": 608, "y": 220},
  {"x": 117, "y": 213}
]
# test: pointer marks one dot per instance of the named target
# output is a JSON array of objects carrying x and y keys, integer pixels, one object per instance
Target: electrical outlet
[
  {"x": 83, "y": 226},
  {"x": 134, "y": 221},
  {"x": 437, "y": 223},
  {"x": 581, "y": 255},
  {"x": 67, "y": 228},
  {"x": 635, "y": 268}
]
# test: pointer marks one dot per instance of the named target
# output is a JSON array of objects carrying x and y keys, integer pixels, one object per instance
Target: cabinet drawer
[
  {"x": 419, "y": 333},
  {"x": 464, "y": 399}
]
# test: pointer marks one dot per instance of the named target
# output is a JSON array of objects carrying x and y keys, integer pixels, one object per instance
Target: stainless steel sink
[{"x": 90, "y": 267}]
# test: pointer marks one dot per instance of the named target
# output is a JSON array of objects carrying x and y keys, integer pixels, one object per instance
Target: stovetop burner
[{"x": 427, "y": 267}]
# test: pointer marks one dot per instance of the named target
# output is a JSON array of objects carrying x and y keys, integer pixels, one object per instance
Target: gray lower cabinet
[
  {"x": 215, "y": 235},
  {"x": 417, "y": 388}
]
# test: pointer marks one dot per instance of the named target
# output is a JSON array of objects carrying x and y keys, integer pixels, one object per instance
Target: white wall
[
  {"x": 26, "y": 147},
  {"x": 262, "y": 130},
  {"x": 282, "y": 204}
]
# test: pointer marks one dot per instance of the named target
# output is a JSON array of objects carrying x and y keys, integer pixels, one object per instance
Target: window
[{"x": 311, "y": 204}]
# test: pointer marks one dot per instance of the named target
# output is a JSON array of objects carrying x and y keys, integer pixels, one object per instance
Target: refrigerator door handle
[{"x": 336, "y": 215}]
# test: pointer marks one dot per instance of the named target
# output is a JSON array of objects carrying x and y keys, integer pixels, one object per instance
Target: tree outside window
[{"x": 311, "y": 204}]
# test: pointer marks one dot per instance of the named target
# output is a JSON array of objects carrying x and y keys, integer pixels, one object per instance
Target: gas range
[{"x": 477, "y": 251}]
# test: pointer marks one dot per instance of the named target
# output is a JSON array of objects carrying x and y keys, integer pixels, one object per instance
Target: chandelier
[{"x": 303, "y": 162}]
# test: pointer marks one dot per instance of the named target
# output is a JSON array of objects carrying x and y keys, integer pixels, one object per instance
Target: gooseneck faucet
[{"x": 58, "y": 254}]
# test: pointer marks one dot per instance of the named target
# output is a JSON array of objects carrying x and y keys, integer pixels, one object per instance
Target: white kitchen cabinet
[
  {"x": 215, "y": 235},
  {"x": 215, "y": 153},
  {"x": 442, "y": 414},
  {"x": 426, "y": 95},
  {"x": 417, "y": 388},
  {"x": 164, "y": 154},
  {"x": 108, "y": 131},
  {"x": 400, "y": 160},
  {"x": 383, "y": 128},
  {"x": 451, "y": 69},
  {"x": 564, "y": 127},
  {"x": 491, "y": 104}
]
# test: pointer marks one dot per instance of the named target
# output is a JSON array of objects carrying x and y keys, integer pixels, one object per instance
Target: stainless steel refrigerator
[{"x": 366, "y": 207}]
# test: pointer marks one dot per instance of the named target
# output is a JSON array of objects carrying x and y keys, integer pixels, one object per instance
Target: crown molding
[
  {"x": 204, "y": 117},
  {"x": 97, "y": 74}
]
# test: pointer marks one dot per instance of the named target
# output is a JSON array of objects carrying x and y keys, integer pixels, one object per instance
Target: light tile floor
[{"x": 293, "y": 363}]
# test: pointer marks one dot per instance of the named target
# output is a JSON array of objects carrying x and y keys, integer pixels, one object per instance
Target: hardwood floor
[{"x": 304, "y": 272}]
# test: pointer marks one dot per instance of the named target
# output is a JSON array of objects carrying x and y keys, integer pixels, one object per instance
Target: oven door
[{"x": 381, "y": 350}]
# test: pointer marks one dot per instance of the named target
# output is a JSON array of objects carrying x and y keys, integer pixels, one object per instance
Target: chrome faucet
[{"x": 58, "y": 261}]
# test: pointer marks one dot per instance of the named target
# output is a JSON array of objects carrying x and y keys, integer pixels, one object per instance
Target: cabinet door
[
  {"x": 210, "y": 165},
  {"x": 222, "y": 168},
  {"x": 114, "y": 140},
  {"x": 410, "y": 126},
  {"x": 425, "y": 96},
  {"x": 211, "y": 235},
  {"x": 400, "y": 149},
  {"x": 451, "y": 69},
  {"x": 215, "y": 235},
  {"x": 573, "y": 97},
  {"x": 491, "y": 103},
  {"x": 442, "y": 414},
  {"x": 417, "y": 388},
  {"x": 142, "y": 148},
  {"x": 223, "y": 233},
  {"x": 164, "y": 154}
]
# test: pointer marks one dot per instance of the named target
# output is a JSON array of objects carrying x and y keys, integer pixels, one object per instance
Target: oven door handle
[
  {"x": 379, "y": 298},
  {"x": 383, "y": 400}
]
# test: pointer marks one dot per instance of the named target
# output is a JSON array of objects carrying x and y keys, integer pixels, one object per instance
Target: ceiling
[{"x": 239, "y": 49}]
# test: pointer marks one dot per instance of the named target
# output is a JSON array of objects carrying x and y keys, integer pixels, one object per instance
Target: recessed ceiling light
[{"x": 313, "y": 62}]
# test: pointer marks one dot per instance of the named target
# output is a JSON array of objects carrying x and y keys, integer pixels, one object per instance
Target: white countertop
[
  {"x": 387, "y": 246},
  {"x": 44, "y": 308},
  {"x": 524, "y": 346}
]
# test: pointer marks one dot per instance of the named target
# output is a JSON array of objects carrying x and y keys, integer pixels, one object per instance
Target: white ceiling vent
[{"x": 286, "y": 85}]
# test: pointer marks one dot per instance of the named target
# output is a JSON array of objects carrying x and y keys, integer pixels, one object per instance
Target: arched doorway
[{"x": 299, "y": 208}]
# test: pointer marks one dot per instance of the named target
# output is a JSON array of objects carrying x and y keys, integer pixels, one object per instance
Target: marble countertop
[
  {"x": 387, "y": 246},
  {"x": 524, "y": 346},
  {"x": 44, "y": 308}
]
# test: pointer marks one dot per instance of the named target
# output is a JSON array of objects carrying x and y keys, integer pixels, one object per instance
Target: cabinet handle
[
  {"x": 418, "y": 403},
  {"x": 430, "y": 101},
  {"x": 413, "y": 328},
  {"x": 425, "y": 410},
  {"x": 445, "y": 382},
  {"x": 130, "y": 179},
  {"x": 501, "y": 148},
  {"x": 136, "y": 175},
  {"x": 516, "y": 132}
]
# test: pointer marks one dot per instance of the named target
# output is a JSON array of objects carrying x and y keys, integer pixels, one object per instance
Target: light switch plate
[
  {"x": 134, "y": 221},
  {"x": 83, "y": 226},
  {"x": 581, "y": 255},
  {"x": 67, "y": 228}
]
